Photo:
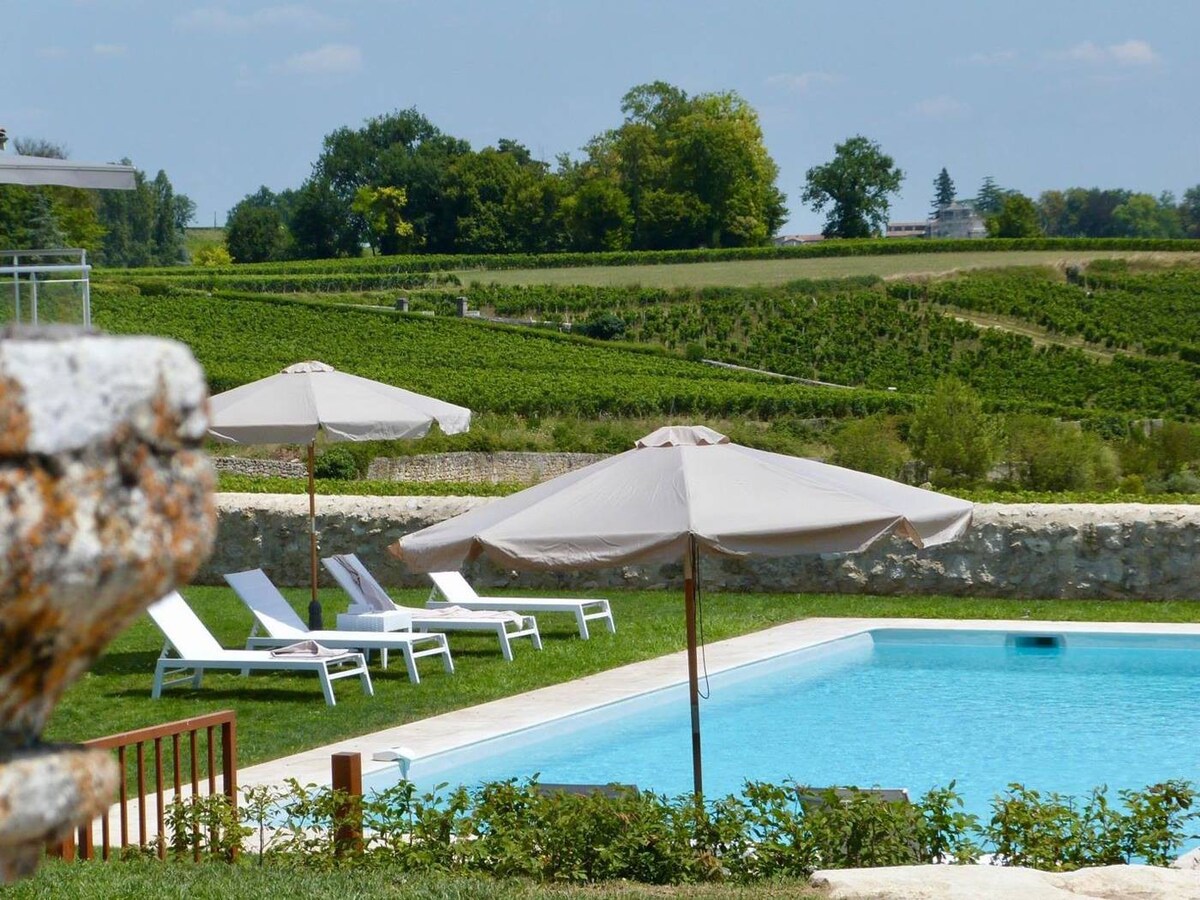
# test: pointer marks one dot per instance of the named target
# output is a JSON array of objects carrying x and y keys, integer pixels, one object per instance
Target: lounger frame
[
  {"x": 506, "y": 631},
  {"x": 451, "y": 589},
  {"x": 195, "y": 651},
  {"x": 280, "y": 626}
]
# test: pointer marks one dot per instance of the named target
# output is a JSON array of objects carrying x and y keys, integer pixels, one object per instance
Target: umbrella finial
[
  {"x": 303, "y": 368},
  {"x": 682, "y": 436}
]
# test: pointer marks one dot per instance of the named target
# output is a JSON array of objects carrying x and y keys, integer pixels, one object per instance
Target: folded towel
[
  {"x": 372, "y": 594},
  {"x": 461, "y": 612},
  {"x": 307, "y": 650}
]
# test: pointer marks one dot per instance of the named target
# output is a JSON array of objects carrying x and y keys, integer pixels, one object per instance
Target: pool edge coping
[{"x": 463, "y": 727}]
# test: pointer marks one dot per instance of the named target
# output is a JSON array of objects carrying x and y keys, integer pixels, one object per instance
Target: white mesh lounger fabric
[
  {"x": 349, "y": 572},
  {"x": 196, "y": 649},
  {"x": 274, "y": 616},
  {"x": 451, "y": 588}
]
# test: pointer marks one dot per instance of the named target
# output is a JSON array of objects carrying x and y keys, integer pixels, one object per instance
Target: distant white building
[
  {"x": 957, "y": 220},
  {"x": 908, "y": 229},
  {"x": 795, "y": 240}
]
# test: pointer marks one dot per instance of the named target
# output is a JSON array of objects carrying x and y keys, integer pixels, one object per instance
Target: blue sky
[{"x": 229, "y": 96}]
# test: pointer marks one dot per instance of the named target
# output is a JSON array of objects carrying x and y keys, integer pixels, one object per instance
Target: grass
[
  {"x": 280, "y": 714},
  {"x": 152, "y": 880},
  {"x": 743, "y": 273}
]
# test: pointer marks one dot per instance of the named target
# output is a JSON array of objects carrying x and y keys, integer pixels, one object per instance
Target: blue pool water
[{"x": 889, "y": 708}]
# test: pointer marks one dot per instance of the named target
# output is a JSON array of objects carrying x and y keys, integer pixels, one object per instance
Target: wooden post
[
  {"x": 690, "y": 559},
  {"x": 315, "y": 619},
  {"x": 347, "y": 819},
  {"x": 229, "y": 772}
]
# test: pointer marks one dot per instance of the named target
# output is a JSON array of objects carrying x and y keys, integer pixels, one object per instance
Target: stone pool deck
[{"x": 488, "y": 720}]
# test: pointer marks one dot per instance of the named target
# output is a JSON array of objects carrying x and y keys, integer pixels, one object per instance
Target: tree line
[
  {"x": 680, "y": 171},
  {"x": 142, "y": 227},
  {"x": 1079, "y": 212}
]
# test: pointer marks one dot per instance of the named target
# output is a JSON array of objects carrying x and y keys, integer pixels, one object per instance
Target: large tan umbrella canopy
[
  {"x": 310, "y": 397},
  {"x": 682, "y": 491}
]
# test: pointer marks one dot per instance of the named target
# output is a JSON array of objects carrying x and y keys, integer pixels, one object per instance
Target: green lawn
[
  {"x": 743, "y": 273},
  {"x": 151, "y": 880},
  {"x": 282, "y": 714}
]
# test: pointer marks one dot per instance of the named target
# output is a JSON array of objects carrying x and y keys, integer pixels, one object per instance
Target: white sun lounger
[
  {"x": 275, "y": 616},
  {"x": 196, "y": 650},
  {"x": 456, "y": 591},
  {"x": 368, "y": 596}
]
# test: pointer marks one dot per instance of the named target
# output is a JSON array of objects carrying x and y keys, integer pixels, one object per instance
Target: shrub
[
  {"x": 952, "y": 434},
  {"x": 336, "y": 462},
  {"x": 870, "y": 445},
  {"x": 604, "y": 326}
]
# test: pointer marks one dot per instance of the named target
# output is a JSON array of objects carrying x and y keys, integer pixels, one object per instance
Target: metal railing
[
  {"x": 47, "y": 286},
  {"x": 185, "y": 757}
]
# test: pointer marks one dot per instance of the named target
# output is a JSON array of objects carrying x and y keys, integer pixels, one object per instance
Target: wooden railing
[{"x": 187, "y": 751}]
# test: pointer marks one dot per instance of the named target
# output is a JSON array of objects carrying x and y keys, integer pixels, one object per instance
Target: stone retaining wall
[
  {"x": 287, "y": 468},
  {"x": 475, "y": 467},
  {"x": 1130, "y": 551}
]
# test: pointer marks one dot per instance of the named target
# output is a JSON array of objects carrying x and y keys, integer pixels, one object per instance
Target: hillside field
[{"x": 771, "y": 272}]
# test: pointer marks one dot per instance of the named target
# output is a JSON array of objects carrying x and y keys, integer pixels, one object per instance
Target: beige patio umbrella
[
  {"x": 310, "y": 397},
  {"x": 682, "y": 491}
]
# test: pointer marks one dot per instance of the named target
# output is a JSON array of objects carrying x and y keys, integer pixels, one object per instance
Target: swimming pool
[{"x": 1062, "y": 711}]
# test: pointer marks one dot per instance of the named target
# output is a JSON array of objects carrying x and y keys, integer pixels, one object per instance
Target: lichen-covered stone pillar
[{"x": 105, "y": 505}]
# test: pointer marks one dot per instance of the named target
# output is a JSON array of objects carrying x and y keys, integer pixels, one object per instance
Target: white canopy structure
[
  {"x": 37, "y": 170},
  {"x": 682, "y": 491}
]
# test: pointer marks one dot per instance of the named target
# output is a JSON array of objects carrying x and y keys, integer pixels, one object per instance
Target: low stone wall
[
  {"x": 475, "y": 467},
  {"x": 287, "y": 468},
  {"x": 1129, "y": 551}
]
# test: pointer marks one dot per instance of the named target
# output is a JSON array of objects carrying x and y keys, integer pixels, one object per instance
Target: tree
[
  {"x": 952, "y": 434},
  {"x": 254, "y": 234},
  {"x": 597, "y": 217},
  {"x": 943, "y": 190},
  {"x": 1017, "y": 218},
  {"x": 1189, "y": 212},
  {"x": 855, "y": 185},
  {"x": 1146, "y": 217},
  {"x": 989, "y": 198},
  {"x": 870, "y": 445},
  {"x": 212, "y": 255},
  {"x": 145, "y": 226},
  {"x": 382, "y": 209},
  {"x": 694, "y": 169}
]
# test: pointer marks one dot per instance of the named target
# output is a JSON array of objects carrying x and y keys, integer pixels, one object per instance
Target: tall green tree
[
  {"x": 1017, "y": 218},
  {"x": 695, "y": 169},
  {"x": 145, "y": 226},
  {"x": 989, "y": 198},
  {"x": 1189, "y": 212},
  {"x": 255, "y": 234},
  {"x": 943, "y": 190},
  {"x": 1144, "y": 216},
  {"x": 855, "y": 185}
]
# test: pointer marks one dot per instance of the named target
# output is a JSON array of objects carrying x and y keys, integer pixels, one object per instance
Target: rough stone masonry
[
  {"x": 106, "y": 505},
  {"x": 1100, "y": 551}
]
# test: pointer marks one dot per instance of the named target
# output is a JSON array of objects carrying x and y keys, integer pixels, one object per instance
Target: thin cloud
[
  {"x": 800, "y": 82},
  {"x": 332, "y": 59},
  {"x": 941, "y": 107},
  {"x": 52, "y": 52},
  {"x": 1127, "y": 53},
  {"x": 993, "y": 58},
  {"x": 108, "y": 49},
  {"x": 214, "y": 18}
]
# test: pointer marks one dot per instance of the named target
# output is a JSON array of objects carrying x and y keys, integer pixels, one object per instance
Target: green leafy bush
[{"x": 336, "y": 462}]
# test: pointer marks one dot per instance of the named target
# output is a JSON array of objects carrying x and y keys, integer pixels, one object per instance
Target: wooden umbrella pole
[
  {"x": 689, "y": 608},
  {"x": 315, "y": 619}
]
